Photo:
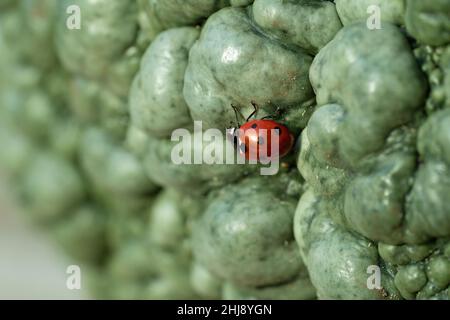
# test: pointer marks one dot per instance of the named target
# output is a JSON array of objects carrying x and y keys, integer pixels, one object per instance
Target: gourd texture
[{"x": 86, "y": 118}]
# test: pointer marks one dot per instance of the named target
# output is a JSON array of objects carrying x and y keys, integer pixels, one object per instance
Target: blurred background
[{"x": 31, "y": 266}]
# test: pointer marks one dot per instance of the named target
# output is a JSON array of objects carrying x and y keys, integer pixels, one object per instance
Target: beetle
[{"x": 254, "y": 138}]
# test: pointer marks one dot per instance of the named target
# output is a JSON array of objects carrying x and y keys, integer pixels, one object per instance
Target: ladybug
[{"x": 254, "y": 138}]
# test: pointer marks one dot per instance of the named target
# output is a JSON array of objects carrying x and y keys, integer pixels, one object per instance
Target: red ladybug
[{"x": 254, "y": 138}]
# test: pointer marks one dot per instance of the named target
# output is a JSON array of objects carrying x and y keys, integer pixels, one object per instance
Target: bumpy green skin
[
  {"x": 307, "y": 24},
  {"x": 102, "y": 62},
  {"x": 240, "y": 3},
  {"x": 82, "y": 235},
  {"x": 376, "y": 168},
  {"x": 188, "y": 67},
  {"x": 423, "y": 271},
  {"x": 91, "y": 50},
  {"x": 436, "y": 64},
  {"x": 19, "y": 150},
  {"x": 159, "y": 84},
  {"x": 155, "y": 261},
  {"x": 337, "y": 260},
  {"x": 351, "y": 11},
  {"x": 87, "y": 115},
  {"x": 429, "y": 21},
  {"x": 245, "y": 237},
  {"x": 112, "y": 167},
  {"x": 298, "y": 289},
  {"x": 231, "y": 63},
  {"x": 204, "y": 283},
  {"x": 115, "y": 175},
  {"x": 159, "y": 15},
  {"x": 85, "y": 97},
  {"x": 38, "y": 19},
  {"x": 51, "y": 187},
  {"x": 159, "y": 166},
  {"x": 358, "y": 143}
]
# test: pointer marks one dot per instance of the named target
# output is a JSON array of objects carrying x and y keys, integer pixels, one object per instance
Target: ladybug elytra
[{"x": 254, "y": 139}]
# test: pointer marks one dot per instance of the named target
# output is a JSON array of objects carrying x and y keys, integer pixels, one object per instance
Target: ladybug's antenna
[
  {"x": 236, "y": 111},
  {"x": 255, "y": 106}
]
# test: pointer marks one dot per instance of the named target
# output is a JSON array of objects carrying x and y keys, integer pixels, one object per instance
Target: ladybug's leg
[
  {"x": 232, "y": 136},
  {"x": 256, "y": 107},
  {"x": 278, "y": 112}
]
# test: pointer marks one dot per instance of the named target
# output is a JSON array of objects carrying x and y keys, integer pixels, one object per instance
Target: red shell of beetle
[{"x": 255, "y": 139}]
